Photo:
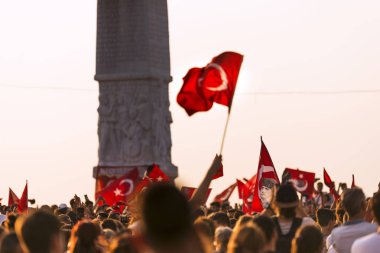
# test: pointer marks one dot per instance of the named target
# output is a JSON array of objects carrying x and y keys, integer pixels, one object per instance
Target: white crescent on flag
[
  {"x": 223, "y": 76},
  {"x": 130, "y": 189}
]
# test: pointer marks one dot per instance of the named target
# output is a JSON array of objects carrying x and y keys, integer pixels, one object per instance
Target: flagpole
[{"x": 225, "y": 132}]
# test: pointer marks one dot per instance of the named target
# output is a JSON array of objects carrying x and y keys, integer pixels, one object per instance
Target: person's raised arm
[{"x": 200, "y": 194}]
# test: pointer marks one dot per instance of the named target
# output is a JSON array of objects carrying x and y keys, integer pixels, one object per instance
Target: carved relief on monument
[{"x": 134, "y": 123}]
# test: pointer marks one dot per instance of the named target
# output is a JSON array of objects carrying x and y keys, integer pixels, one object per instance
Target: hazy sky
[{"x": 48, "y": 98}]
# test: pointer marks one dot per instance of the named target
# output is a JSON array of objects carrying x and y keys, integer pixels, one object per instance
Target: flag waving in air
[
  {"x": 12, "y": 199},
  {"x": 23, "y": 203},
  {"x": 330, "y": 184},
  {"x": 226, "y": 194},
  {"x": 119, "y": 189},
  {"x": 246, "y": 195},
  {"x": 266, "y": 179},
  {"x": 302, "y": 181},
  {"x": 214, "y": 83}
]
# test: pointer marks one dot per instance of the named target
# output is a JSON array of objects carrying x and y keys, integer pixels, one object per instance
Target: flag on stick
[
  {"x": 302, "y": 181},
  {"x": 266, "y": 179},
  {"x": 12, "y": 198},
  {"x": 226, "y": 194},
  {"x": 330, "y": 184},
  {"x": 353, "y": 181},
  {"x": 23, "y": 203},
  {"x": 214, "y": 83},
  {"x": 120, "y": 189}
]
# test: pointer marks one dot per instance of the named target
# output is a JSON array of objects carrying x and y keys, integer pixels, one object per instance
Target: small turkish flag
[
  {"x": 330, "y": 184},
  {"x": 23, "y": 203},
  {"x": 326, "y": 178},
  {"x": 189, "y": 192},
  {"x": 157, "y": 175},
  {"x": 246, "y": 195},
  {"x": 266, "y": 179},
  {"x": 12, "y": 199},
  {"x": 214, "y": 83},
  {"x": 119, "y": 189},
  {"x": 302, "y": 181},
  {"x": 226, "y": 194}
]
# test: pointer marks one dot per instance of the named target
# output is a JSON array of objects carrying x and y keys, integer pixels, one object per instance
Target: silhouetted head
[
  {"x": 10, "y": 244},
  {"x": 308, "y": 239},
  {"x": 40, "y": 232},
  {"x": 354, "y": 202},
  {"x": 166, "y": 215}
]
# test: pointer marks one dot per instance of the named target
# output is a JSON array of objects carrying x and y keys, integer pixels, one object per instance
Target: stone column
[{"x": 133, "y": 71}]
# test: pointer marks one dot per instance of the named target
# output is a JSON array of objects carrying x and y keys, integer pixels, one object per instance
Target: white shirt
[
  {"x": 285, "y": 227},
  {"x": 367, "y": 244},
  {"x": 344, "y": 236}
]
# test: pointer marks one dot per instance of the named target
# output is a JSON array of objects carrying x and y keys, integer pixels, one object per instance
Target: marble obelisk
[{"x": 133, "y": 71}]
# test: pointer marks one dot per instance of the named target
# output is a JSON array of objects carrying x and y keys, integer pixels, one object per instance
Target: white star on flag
[
  {"x": 159, "y": 179},
  {"x": 117, "y": 192}
]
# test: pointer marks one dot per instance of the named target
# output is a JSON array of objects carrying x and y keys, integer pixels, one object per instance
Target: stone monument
[{"x": 133, "y": 71}]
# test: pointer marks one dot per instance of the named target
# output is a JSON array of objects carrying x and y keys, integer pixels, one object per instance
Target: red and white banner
[
  {"x": 266, "y": 179},
  {"x": 226, "y": 194},
  {"x": 302, "y": 181},
  {"x": 214, "y": 83}
]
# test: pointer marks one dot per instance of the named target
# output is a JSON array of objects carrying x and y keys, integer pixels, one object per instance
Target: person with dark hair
[
  {"x": 319, "y": 196},
  {"x": 326, "y": 221},
  {"x": 339, "y": 216},
  {"x": 84, "y": 238},
  {"x": 10, "y": 244},
  {"x": 222, "y": 237},
  {"x": 214, "y": 207},
  {"x": 167, "y": 221},
  {"x": 197, "y": 213},
  {"x": 308, "y": 239},
  {"x": 371, "y": 242},
  {"x": 267, "y": 226},
  {"x": 220, "y": 219},
  {"x": 10, "y": 222},
  {"x": 354, "y": 204},
  {"x": 286, "y": 222},
  {"x": 248, "y": 238},
  {"x": 123, "y": 244},
  {"x": 40, "y": 233},
  {"x": 110, "y": 224}
]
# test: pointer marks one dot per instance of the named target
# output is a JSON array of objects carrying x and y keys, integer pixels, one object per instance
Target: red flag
[
  {"x": 226, "y": 194},
  {"x": 119, "y": 189},
  {"x": 189, "y": 192},
  {"x": 23, "y": 203},
  {"x": 246, "y": 195},
  {"x": 12, "y": 199},
  {"x": 266, "y": 179},
  {"x": 353, "y": 181},
  {"x": 219, "y": 173},
  {"x": 326, "y": 178},
  {"x": 214, "y": 83},
  {"x": 302, "y": 181},
  {"x": 157, "y": 175},
  {"x": 330, "y": 184}
]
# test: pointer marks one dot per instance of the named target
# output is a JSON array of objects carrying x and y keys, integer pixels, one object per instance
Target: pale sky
[{"x": 48, "y": 97}]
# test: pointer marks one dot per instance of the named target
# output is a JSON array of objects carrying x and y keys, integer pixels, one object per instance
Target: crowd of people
[{"x": 164, "y": 221}]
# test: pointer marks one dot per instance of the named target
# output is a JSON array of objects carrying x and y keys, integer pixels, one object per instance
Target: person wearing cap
[
  {"x": 286, "y": 222},
  {"x": 62, "y": 209}
]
